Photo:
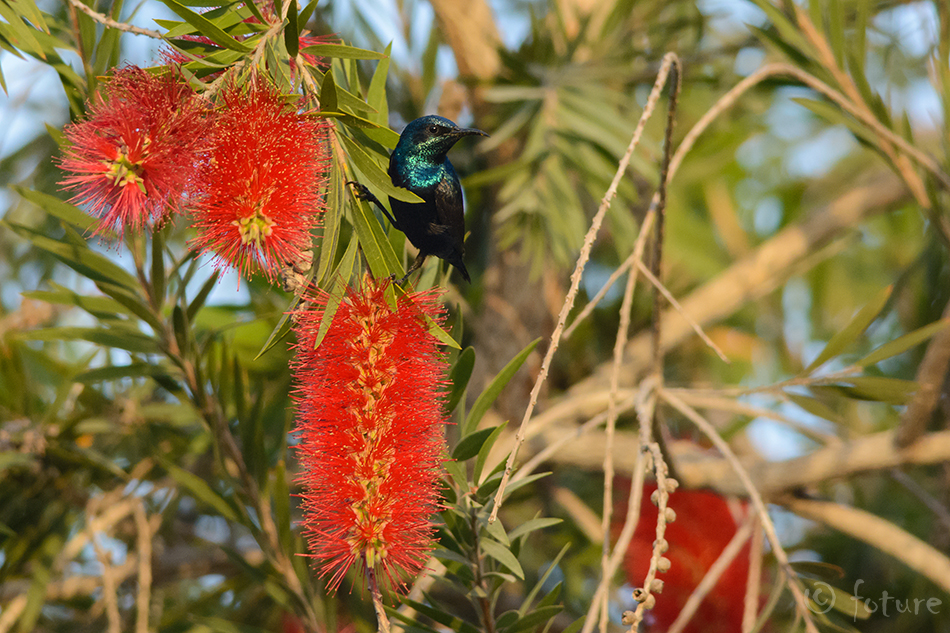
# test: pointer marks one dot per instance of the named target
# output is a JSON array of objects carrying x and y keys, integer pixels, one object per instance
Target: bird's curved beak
[{"x": 468, "y": 131}]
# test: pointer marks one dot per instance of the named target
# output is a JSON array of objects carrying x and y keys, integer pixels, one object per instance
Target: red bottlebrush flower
[
  {"x": 132, "y": 160},
  {"x": 371, "y": 443},
  {"x": 258, "y": 194},
  {"x": 704, "y": 526}
]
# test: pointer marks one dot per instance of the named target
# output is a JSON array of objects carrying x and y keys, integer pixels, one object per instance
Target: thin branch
[
  {"x": 713, "y": 575},
  {"x": 668, "y": 61},
  {"x": 112, "y": 24},
  {"x": 750, "y": 606},
  {"x": 645, "y": 403},
  {"x": 933, "y": 504},
  {"x": 930, "y": 378},
  {"x": 637, "y": 255},
  {"x": 664, "y": 486},
  {"x": 676, "y": 306},
  {"x": 697, "y": 468},
  {"x": 710, "y": 432},
  {"x": 620, "y": 342},
  {"x": 143, "y": 597},
  {"x": 729, "y": 405},
  {"x": 878, "y": 533},
  {"x": 109, "y": 584},
  {"x": 552, "y": 448},
  {"x": 382, "y": 620}
]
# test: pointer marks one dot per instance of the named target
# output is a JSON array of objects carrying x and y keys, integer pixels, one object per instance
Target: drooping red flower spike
[
  {"x": 704, "y": 526},
  {"x": 259, "y": 193},
  {"x": 370, "y": 427},
  {"x": 132, "y": 159}
]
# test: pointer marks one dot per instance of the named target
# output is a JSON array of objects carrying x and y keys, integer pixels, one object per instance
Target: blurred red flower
[
  {"x": 132, "y": 159},
  {"x": 370, "y": 426},
  {"x": 259, "y": 193},
  {"x": 704, "y": 526}
]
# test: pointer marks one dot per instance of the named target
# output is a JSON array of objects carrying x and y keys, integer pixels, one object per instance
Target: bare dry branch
[
  {"x": 112, "y": 24},
  {"x": 668, "y": 61},
  {"x": 755, "y": 497}
]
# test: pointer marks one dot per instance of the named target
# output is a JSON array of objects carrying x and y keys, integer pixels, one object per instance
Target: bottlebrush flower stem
[{"x": 370, "y": 424}]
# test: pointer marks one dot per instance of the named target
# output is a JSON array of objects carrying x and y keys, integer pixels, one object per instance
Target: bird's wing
[{"x": 449, "y": 210}]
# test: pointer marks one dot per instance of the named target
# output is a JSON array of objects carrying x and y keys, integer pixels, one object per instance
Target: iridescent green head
[{"x": 431, "y": 137}]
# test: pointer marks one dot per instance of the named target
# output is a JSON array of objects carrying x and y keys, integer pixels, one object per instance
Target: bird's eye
[{"x": 433, "y": 129}]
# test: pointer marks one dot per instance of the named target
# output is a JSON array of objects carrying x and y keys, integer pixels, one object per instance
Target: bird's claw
[{"x": 360, "y": 190}]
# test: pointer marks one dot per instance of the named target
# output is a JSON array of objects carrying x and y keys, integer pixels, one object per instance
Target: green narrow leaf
[
  {"x": 336, "y": 294},
  {"x": 182, "y": 330},
  {"x": 834, "y": 115},
  {"x": 429, "y": 60},
  {"x": 815, "y": 407},
  {"x": 836, "y": 36},
  {"x": 107, "y": 50},
  {"x": 99, "y": 307},
  {"x": 377, "y": 249},
  {"x": 435, "y": 329},
  {"x": 497, "y": 531},
  {"x": 292, "y": 31},
  {"x": 158, "y": 267},
  {"x": 340, "y": 51},
  {"x": 345, "y": 98},
  {"x": 282, "y": 329},
  {"x": 903, "y": 343},
  {"x": 36, "y": 594},
  {"x": 304, "y": 16},
  {"x": 198, "y": 302},
  {"x": 29, "y": 10},
  {"x": 818, "y": 569},
  {"x": 118, "y": 372},
  {"x": 879, "y": 389},
  {"x": 25, "y": 37},
  {"x": 459, "y": 377},
  {"x": 533, "y": 525},
  {"x": 282, "y": 506},
  {"x": 206, "y": 27},
  {"x": 201, "y": 491},
  {"x": 503, "y": 555},
  {"x": 485, "y": 450},
  {"x": 843, "y": 339},
  {"x": 56, "y": 207},
  {"x": 457, "y": 471},
  {"x": 376, "y": 95},
  {"x": 117, "y": 337},
  {"x": 132, "y": 303},
  {"x": 328, "y": 98},
  {"x": 551, "y": 597},
  {"x": 374, "y": 173},
  {"x": 80, "y": 258},
  {"x": 331, "y": 222},
  {"x": 451, "y": 622},
  {"x": 379, "y": 133},
  {"x": 255, "y": 11},
  {"x": 491, "y": 393},
  {"x": 537, "y": 617},
  {"x": 787, "y": 30},
  {"x": 469, "y": 445}
]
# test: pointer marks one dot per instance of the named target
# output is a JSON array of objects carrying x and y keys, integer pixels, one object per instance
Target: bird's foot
[{"x": 361, "y": 191}]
